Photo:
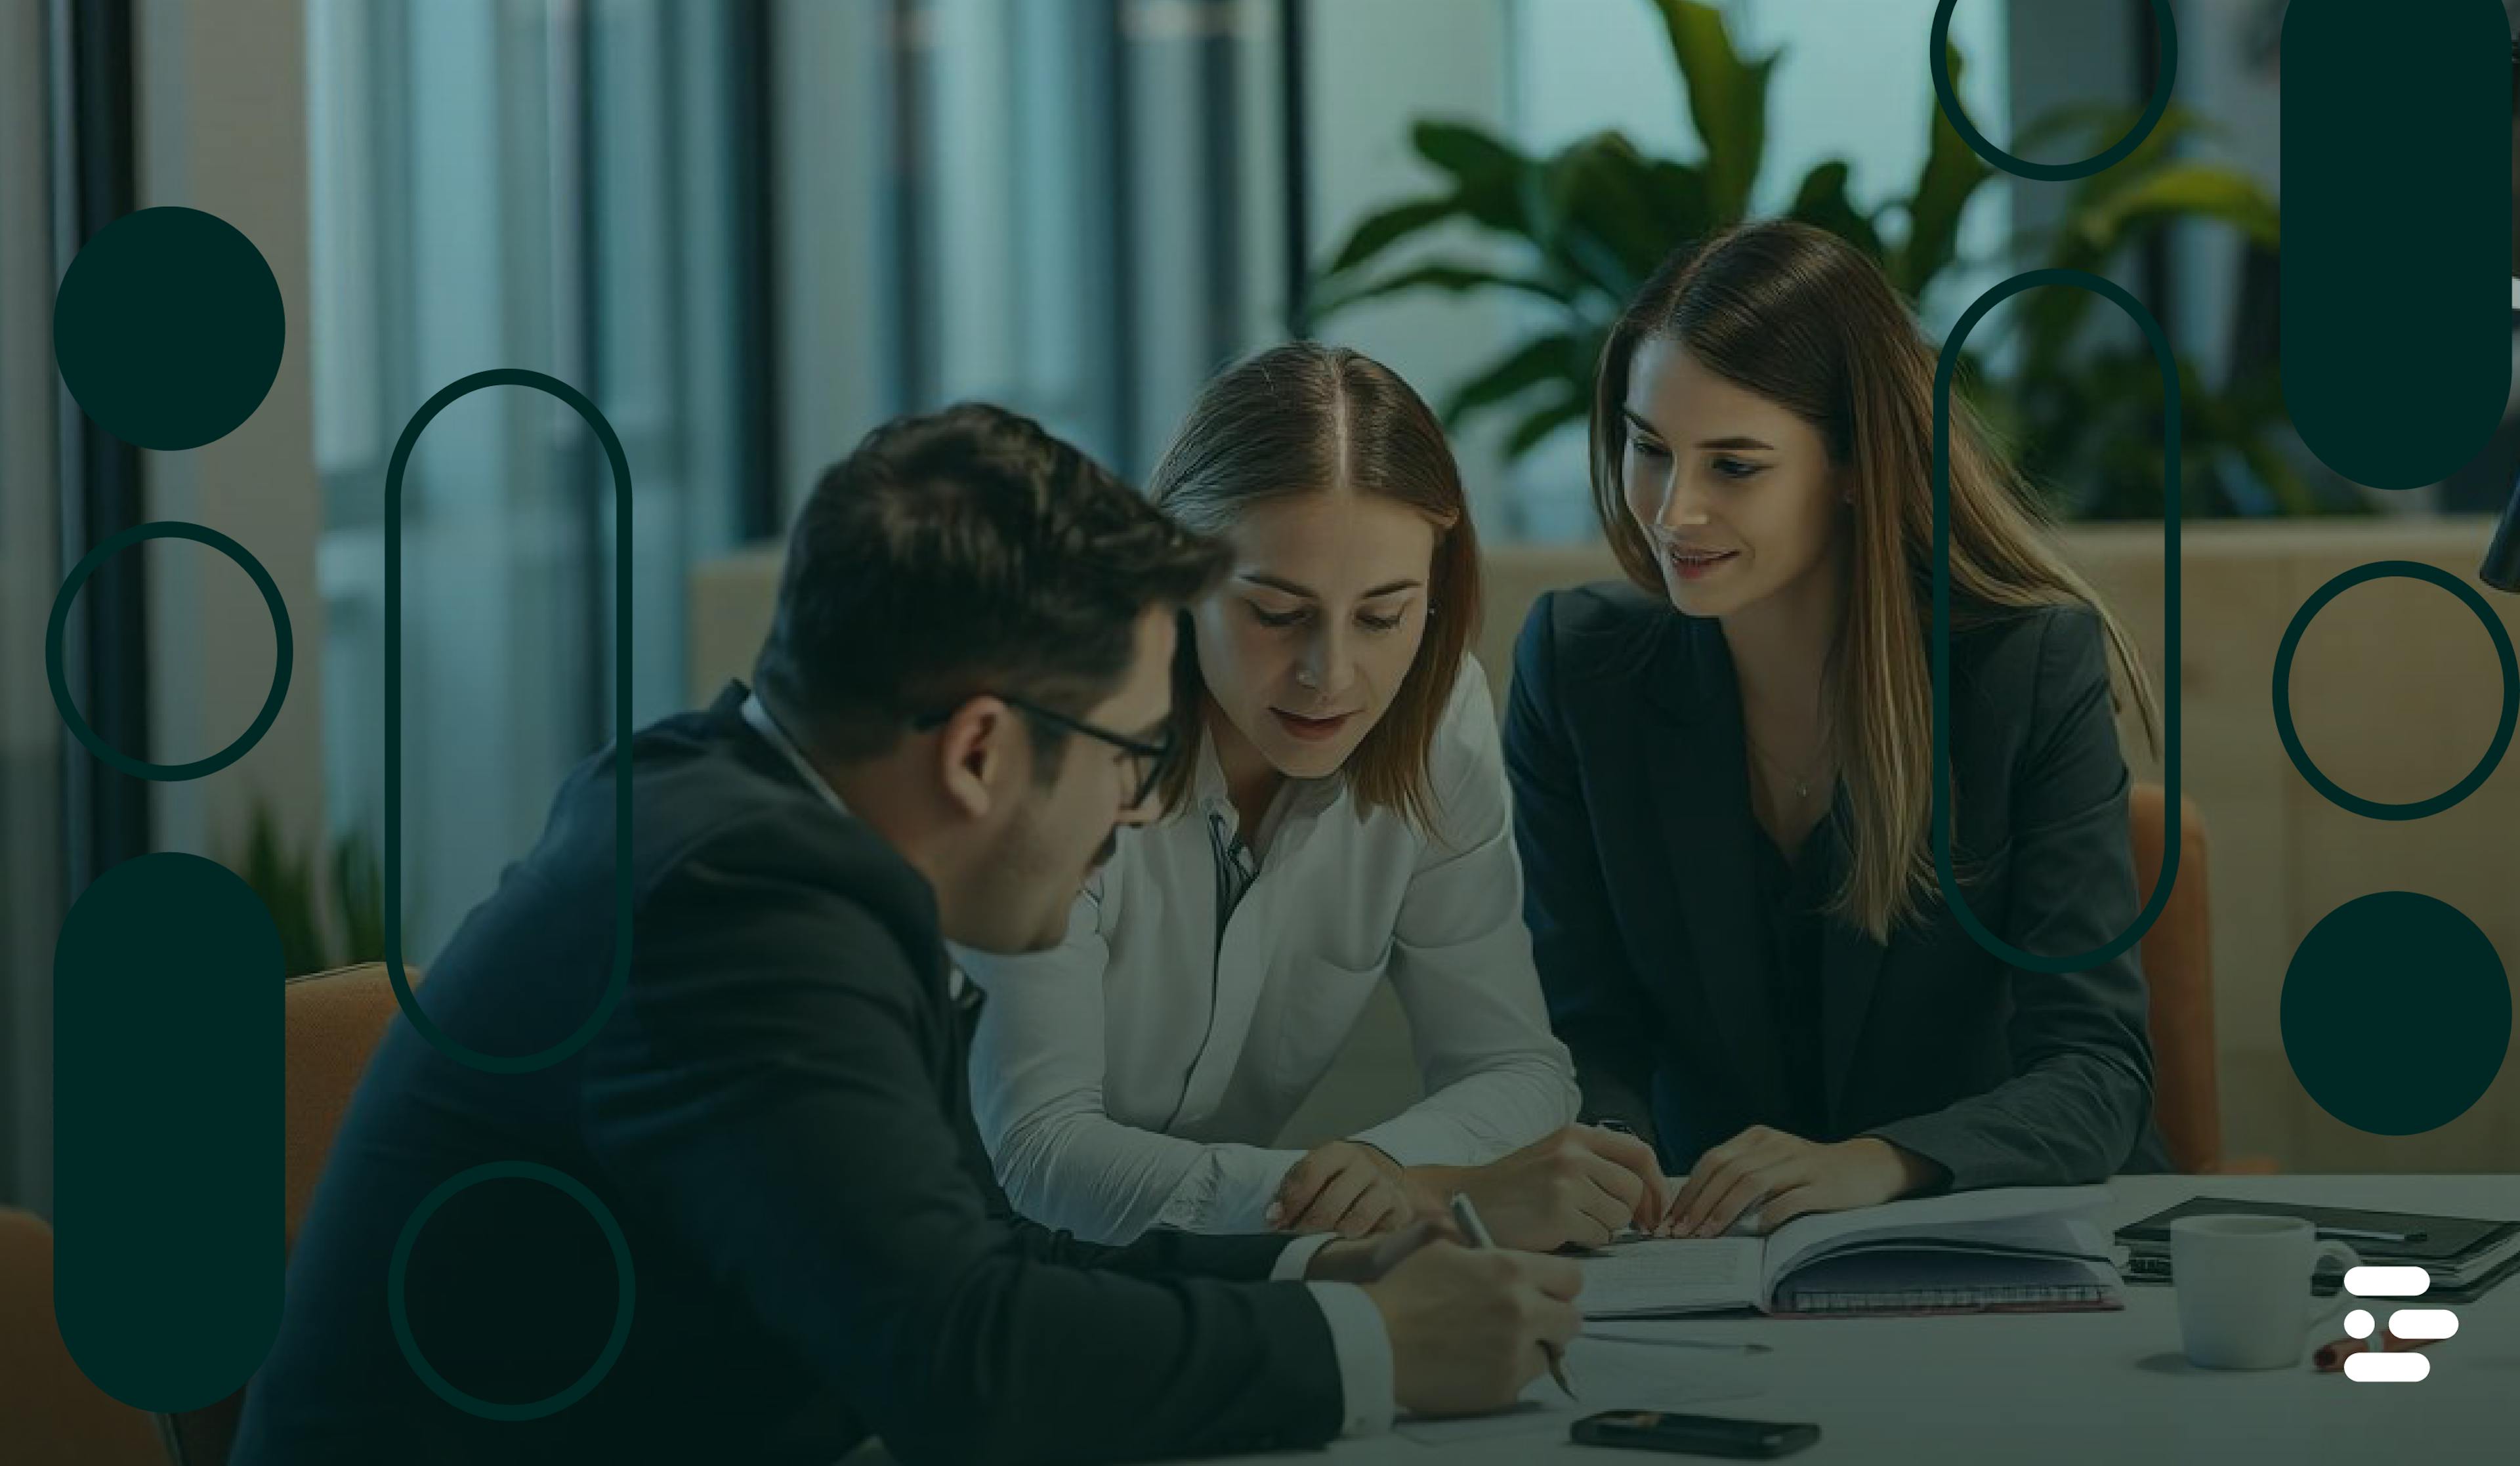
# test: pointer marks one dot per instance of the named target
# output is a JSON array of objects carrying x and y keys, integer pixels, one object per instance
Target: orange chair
[
  {"x": 50, "y": 1413},
  {"x": 2179, "y": 976},
  {"x": 334, "y": 1023}
]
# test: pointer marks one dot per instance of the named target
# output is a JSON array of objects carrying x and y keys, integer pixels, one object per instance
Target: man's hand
[
  {"x": 1344, "y": 1187},
  {"x": 1466, "y": 1327},
  {"x": 1579, "y": 1185},
  {"x": 1787, "y": 1176},
  {"x": 1366, "y": 1260}
]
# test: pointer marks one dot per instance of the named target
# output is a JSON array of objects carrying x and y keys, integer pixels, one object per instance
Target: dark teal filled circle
[
  {"x": 168, "y": 328},
  {"x": 283, "y": 650},
  {"x": 2397, "y": 1013},
  {"x": 2301, "y": 619},
  {"x": 2162, "y": 81},
  {"x": 532, "y": 1410}
]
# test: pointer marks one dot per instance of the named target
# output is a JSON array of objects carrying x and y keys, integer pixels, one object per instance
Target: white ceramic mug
[{"x": 2240, "y": 1280}]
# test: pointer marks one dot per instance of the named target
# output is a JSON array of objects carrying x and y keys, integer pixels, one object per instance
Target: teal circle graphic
[
  {"x": 2397, "y": 1013},
  {"x": 2301, "y": 619},
  {"x": 395, "y": 1305},
  {"x": 282, "y": 651},
  {"x": 1940, "y": 60},
  {"x": 168, "y": 328}
]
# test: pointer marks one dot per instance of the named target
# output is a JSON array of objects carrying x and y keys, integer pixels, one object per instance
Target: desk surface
[{"x": 2105, "y": 1388}]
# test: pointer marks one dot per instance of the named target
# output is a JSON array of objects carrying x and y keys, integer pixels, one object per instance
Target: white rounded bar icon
[
  {"x": 2387, "y": 1282},
  {"x": 2404, "y": 1368},
  {"x": 2423, "y": 1323}
]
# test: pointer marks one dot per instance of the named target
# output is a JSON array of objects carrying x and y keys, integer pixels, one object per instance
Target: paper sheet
[
  {"x": 1671, "y": 1274},
  {"x": 1612, "y": 1375}
]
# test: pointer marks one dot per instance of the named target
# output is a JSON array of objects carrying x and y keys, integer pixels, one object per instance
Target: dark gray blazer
[
  {"x": 1632, "y": 808},
  {"x": 777, "y": 1113}
]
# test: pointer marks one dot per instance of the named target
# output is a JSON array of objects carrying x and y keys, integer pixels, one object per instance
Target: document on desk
[
  {"x": 1612, "y": 1376},
  {"x": 2015, "y": 1248}
]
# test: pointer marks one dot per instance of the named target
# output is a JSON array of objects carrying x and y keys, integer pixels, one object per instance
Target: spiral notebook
[{"x": 2025, "y": 1249}]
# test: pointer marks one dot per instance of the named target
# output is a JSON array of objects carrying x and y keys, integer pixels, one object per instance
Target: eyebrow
[
  {"x": 1291, "y": 588},
  {"x": 1641, "y": 425}
]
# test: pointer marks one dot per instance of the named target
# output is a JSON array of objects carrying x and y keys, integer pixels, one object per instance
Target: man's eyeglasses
[{"x": 1149, "y": 762}]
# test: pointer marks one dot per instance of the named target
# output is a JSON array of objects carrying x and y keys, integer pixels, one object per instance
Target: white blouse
[{"x": 1133, "y": 1076}]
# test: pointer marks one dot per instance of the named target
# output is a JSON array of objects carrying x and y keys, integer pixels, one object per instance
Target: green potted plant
[
  {"x": 285, "y": 877},
  {"x": 1587, "y": 223}
]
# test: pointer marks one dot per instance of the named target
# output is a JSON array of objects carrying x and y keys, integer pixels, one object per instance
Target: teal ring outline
[
  {"x": 2171, "y": 638},
  {"x": 437, "y": 1037},
  {"x": 2164, "y": 79},
  {"x": 283, "y": 660},
  {"x": 2371, "y": 809},
  {"x": 626, "y": 1293}
]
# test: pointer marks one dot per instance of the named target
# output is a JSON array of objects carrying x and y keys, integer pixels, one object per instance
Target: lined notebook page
[{"x": 1667, "y": 1274}]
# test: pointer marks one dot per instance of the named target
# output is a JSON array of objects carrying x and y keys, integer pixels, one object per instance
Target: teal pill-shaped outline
[
  {"x": 626, "y": 1277},
  {"x": 283, "y": 657},
  {"x": 438, "y": 1038},
  {"x": 1939, "y": 58},
  {"x": 1942, "y": 827},
  {"x": 2386, "y": 570}
]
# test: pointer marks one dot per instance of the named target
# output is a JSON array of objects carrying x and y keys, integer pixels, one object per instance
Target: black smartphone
[{"x": 1692, "y": 1435}]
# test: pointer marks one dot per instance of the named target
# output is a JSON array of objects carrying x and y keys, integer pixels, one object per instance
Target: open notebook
[{"x": 2020, "y": 1248}]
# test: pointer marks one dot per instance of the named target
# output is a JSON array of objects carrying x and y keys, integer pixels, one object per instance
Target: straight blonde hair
[
  {"x": 1305, "y": 419},
  {"x": 1801, "y": 317}
]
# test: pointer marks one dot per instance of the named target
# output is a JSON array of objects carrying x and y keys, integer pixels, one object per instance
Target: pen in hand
[{"x": 1467, "y": 1218}]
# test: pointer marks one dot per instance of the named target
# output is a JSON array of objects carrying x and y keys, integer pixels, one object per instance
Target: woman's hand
[
  {"x": 1343, "y": 1186},
  {"x": 1787, "y": 1176},
  {"x": 1579, "y": 1184}
]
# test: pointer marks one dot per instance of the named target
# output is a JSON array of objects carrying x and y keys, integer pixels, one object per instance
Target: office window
[{"x": 554, "y": 185}]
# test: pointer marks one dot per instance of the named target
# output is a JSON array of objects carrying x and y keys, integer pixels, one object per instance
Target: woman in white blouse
[{"x": 1341, "y": 819}]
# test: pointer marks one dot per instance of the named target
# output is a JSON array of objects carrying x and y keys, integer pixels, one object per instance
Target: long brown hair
[
  {"x": 1304, "y": 419},
  {"x": 1801, "y": 317}
]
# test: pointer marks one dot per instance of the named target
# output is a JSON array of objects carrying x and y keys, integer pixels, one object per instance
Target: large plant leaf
[
  {"x": 1683, "y": 201},
  {"x": 1728, "y": 100},
  {"x": 1566, "y": 406},
  {"x": 1485, "y": 169},
  {"x": 1601, "y": 193},
  {"x": 1385, "y": 228},
  {"x": 1448, "y": 276},
  {"x": 2169, "y": 193},
  {"x": 1945, "y": 185},
  {"x": 1821, "y": 202},
  {"x": 2093, "y": 125},
  {"x": 1559, "y": 357}
]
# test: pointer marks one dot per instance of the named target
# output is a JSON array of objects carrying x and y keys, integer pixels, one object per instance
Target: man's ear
[{"x": 981, "y": 751}]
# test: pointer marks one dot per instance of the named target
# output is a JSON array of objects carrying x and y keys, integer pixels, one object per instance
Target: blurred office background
[{"x": 751, "y": 229}]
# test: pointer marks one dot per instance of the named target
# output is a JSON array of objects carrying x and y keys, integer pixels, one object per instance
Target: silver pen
[{"x": 1467, "y": 1218}]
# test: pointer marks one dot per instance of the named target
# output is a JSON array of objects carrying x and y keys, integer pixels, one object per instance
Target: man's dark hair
[{"x": 960, "y": 552}]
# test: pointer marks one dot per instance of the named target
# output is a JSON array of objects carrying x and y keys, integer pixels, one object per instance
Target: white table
[{"x": 2104, "y": 1388}]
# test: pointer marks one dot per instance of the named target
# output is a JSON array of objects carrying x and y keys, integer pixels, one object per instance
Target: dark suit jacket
[
  {"x": 1632, "y": 808},
  {"x": 777, "y": 1115}
]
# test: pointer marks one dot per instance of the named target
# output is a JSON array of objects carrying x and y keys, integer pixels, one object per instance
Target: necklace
[{"x": 1801, "y": 781}]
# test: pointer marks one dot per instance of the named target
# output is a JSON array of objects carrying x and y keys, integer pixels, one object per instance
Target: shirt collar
[
  {"x": 1302, "y": 796},
  {"x": 758, "y": 715}
]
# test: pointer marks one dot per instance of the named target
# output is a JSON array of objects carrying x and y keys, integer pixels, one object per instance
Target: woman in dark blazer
[{"x": 1722, "y": 769}]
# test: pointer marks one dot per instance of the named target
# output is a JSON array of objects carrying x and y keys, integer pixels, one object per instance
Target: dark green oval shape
[
  {"x": 168, "y": 328},
  {"x": 166, "y": 1131},
  {"x": 439, "y": 1038},
  {"x": 2397, "y": 191},
  {"x": 2396, "y": 1013},
  {"x": 2168, "y": 366}
]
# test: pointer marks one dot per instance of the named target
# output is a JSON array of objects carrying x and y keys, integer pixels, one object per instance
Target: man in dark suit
[{"x": 757, "y": 1223}]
